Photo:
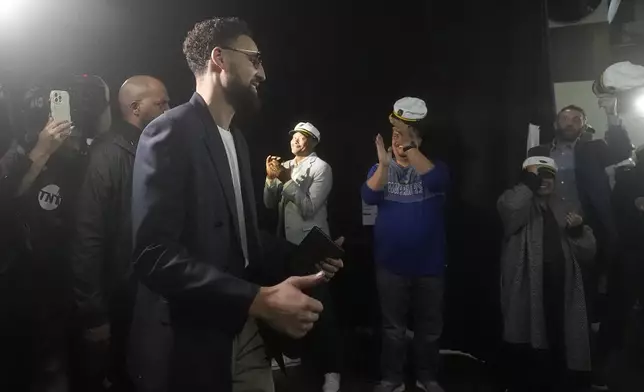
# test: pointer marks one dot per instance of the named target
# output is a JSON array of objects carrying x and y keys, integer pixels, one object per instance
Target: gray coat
[
  {"x": 522, "y": 276},
  {"x": 302, "y": 202}
]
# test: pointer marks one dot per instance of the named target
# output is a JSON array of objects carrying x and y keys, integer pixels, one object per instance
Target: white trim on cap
[
  {"x": 307, "y": 128},
  {"x": 541, "y": 162}
]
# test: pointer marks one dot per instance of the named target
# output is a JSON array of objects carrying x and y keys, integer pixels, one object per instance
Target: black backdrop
[{"x": 481, "y": 66}]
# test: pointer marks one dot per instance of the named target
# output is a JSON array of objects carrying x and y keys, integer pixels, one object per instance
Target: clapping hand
[
  {"x": 532, "y": 169},
  {"x": 384, "y": 155},
  {"x": 574, "y": 220},
  {"x": 639, "y": 203},
  {"x": 273, "y": 166}
]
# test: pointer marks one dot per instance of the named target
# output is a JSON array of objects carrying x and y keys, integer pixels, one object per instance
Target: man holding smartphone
[
  {"x": 409, "y": 241},
  {"x": 39, "y": 190}
]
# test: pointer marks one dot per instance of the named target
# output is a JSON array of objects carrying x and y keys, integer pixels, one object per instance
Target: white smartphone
[{"x": 59, "y": 105}]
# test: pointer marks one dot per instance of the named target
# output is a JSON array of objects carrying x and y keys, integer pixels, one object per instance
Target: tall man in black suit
[{"x": 197, "y": 244}]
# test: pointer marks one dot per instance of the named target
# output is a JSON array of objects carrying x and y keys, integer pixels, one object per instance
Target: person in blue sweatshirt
[{"x": 409, "y": 238}]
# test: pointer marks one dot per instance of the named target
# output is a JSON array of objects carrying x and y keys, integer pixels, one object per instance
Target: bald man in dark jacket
[{"x": 102, "y": 246}]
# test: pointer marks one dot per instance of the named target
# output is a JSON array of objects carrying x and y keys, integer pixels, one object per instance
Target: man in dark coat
[
  {"x": 197, "y": 246},
  {"x": 102, "y": 242},
  {"x": 582, "y": 179},
  {"x": 583, "y": 186}
]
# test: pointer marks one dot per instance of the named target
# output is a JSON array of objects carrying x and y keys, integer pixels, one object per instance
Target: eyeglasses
[{"x": 254, "y": 56}]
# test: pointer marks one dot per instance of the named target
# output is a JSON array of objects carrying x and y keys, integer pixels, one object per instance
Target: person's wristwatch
[{"x": 410, "y": 146}]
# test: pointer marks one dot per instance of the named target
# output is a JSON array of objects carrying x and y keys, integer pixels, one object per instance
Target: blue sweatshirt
[{"x": 409, "y": 235}]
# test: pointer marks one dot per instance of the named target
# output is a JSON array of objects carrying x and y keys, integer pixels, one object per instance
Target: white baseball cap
[
  {"x": 541, "y": 162},
  {"x": 410, "y": 109},
  {"x": 307, "y": 129}
]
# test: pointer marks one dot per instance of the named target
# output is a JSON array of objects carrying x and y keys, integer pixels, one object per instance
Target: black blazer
[
  {"x": 195, "y": 290},
  {"x": 591, "y": 159},
  {"x": 101, "y": 249}
]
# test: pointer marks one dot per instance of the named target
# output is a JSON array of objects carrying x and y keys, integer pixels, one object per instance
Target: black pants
[
  {"x": 98, "y": 365},
  {"x": 121, "y": 308},
  {"x": 554, "y": 275},
  {"x": 424, "y": 296},
  {"x": 34, "y": 353},
  {"x": 323, "y": 346},
  {"x": 528, "y": 370}
]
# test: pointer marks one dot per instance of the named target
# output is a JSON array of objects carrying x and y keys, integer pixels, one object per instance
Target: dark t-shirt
[
  {"x": 552, "y": 250},
  {"x": 554, "y": 273},
  {"x": 44, "y": 213}
]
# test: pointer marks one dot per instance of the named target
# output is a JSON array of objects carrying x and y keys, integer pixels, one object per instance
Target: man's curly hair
[{"x": 207, "y": 35}]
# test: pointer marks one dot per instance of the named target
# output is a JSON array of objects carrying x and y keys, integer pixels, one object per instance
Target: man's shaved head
[{"x": 142, "y": 99}]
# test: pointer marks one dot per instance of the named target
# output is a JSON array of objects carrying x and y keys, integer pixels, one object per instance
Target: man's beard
[{"x": 242, "y": 98}]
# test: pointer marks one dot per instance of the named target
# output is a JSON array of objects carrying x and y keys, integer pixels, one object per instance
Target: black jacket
[
  {"x": 102, "y": 244},
  {"x": 196, "y": 291},
  {"x": 591, "y": 159},
  {"x": 14, "y": 164},
  {"x": 36, "y": 230},
  {"x": 629, "y": 185}
]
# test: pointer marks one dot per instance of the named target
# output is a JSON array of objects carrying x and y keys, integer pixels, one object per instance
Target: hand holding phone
[
  {"x": 51, "y": 138},
  {"x": 59, "y": 106}
]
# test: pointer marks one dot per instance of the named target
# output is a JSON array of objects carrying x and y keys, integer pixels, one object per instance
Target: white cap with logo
[
  {"x": 307, "y": 129},
  {"x": 546, "y": 163},
  {"x": 410, "y": 109}
]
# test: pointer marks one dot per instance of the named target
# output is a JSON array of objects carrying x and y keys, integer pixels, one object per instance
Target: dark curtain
[{"x": 506, "y": 86}]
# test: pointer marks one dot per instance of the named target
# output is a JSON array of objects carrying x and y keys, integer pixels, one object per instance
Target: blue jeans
[{"x": 423, "y": 295}]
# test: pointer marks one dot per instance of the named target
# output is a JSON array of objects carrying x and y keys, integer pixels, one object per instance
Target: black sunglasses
[{"x": 254, "y": 56}]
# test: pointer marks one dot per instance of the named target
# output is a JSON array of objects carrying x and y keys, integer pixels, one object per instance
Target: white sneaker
[
  {"x": 290, "y": 362},
  {"x": 331, "y": 382},
  {"x": 432, "y": 386},
  {"x": 386, "y": 386}
]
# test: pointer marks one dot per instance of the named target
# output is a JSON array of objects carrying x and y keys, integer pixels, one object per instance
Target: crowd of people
[
  {"x": 561, "y": 269},
  {"x": 131, "y": 257}
]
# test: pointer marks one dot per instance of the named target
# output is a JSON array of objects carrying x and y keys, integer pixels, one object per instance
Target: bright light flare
[
  {"x": 13, "y": 16},
  {"x": 10, "y": 9},
  {"x": 639, "y": 105}
]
